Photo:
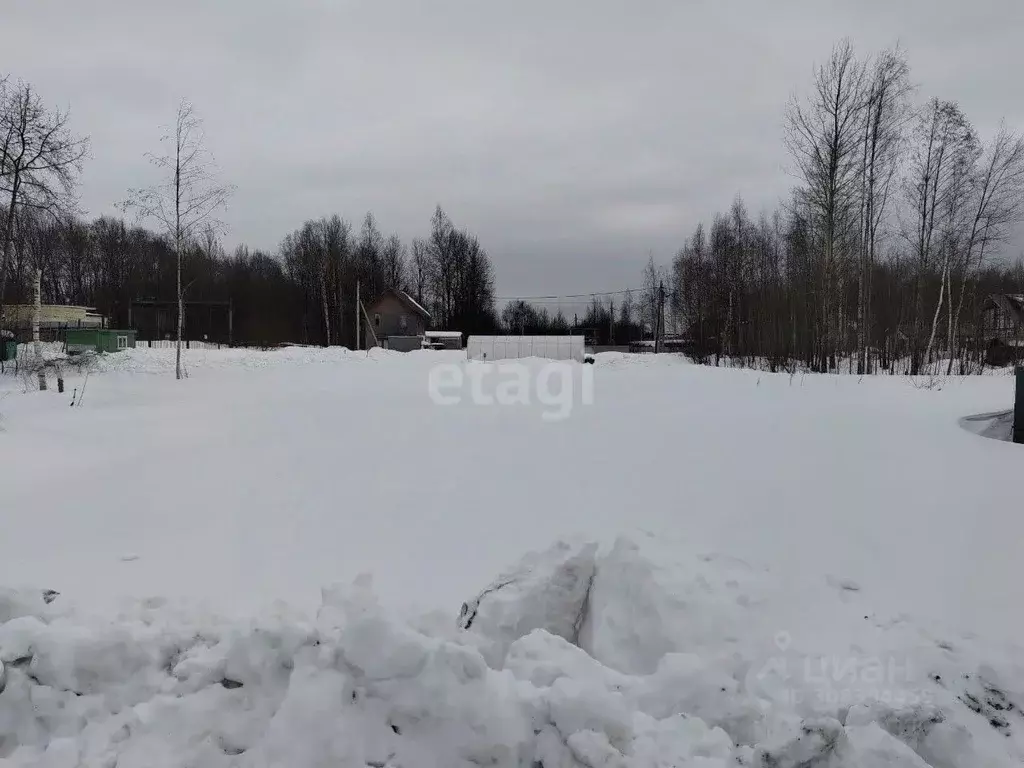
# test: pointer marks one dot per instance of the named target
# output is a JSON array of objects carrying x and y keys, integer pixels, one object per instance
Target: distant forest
[
  {"x": 895, "y": 232},
  {"x": 304, "y": 292}
]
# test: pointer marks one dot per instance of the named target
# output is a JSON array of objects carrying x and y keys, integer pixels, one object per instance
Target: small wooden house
[
  {"x": 397, "y": 322},
  {"x": 1002, "y": 328}
]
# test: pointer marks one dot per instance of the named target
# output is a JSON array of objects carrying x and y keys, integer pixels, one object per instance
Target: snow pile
[
  {"x": 660, "y": 676},
  {"x": 546, "y": 590}
]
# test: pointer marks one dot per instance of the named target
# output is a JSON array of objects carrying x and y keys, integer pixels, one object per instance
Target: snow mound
[
  {"x": 547, "y": 590},
  {"x": 644, "y": 684}
]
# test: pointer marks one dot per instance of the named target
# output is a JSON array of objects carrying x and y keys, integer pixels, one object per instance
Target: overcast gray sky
[{"x": 574, "y": 138}]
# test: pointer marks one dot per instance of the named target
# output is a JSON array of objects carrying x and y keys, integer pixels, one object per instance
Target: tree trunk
[
  {"x": 36, "y": 343},
  {"x": 5, "y": 259},
  {"x": 963, "y": 289},
  {"x": 327, "y": 314},
  {"x": 938, "y": 310},
  {"x": 181, "y": 314}
]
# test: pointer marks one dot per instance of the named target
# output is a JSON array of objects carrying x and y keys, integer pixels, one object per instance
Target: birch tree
[
  {"x": 885, "y": 115},
  {"x": 40, "y": 161},
  {"x": 944, "y": 149},
  {"x": 187, "y": 199},
  {"x": 824, "y": 136}
]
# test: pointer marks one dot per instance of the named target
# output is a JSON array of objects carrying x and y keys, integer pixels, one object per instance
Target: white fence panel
[
  {"x": 172, "y": 343},
  {"x": 515, "y": 347}
]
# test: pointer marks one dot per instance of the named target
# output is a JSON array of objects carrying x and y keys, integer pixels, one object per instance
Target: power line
[
  {"x": 668, "y": 292},
  {"x": 569, "y": 295}
]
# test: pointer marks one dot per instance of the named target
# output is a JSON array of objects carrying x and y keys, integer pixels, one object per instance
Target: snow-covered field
[{"x": 768, "y": 552}]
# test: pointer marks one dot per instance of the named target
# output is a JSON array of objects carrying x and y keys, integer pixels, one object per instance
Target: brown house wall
[{"x": 390, "y": 311}]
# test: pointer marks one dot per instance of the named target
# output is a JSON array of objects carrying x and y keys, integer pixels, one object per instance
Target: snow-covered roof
[
  {"x": 443, "y": 334},
  {"x": 405, "y": 299},
  {"x": 415, "y": 304}
]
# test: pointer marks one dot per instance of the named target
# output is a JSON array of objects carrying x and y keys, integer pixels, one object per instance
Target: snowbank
[
  {"x": 547, "y": 590},
  {"x": 355, "y": 685}
]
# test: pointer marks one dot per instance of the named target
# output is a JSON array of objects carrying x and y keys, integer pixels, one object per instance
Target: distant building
[
  {"x": 1002, "y": 328},
  {"x": 397, "y": 321},
  {"x": 51, "y": 316},
  {"x": 54, "y": 320}
]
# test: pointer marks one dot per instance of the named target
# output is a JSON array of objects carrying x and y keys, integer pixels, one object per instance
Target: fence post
[{"x": 1018, "y": 406}]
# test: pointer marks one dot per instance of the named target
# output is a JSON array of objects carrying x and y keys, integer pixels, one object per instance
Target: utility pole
[{"x": 359, "y": 308}]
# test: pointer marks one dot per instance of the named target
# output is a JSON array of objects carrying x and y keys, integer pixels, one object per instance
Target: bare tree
[
  {"x": 824, "y": 135},
  {"x": 650, "y": 306},
  {"x": 944, "y": 150},
  {"x": 444, "y": 267},
  {"x": 40, "y": 160},
  {"x": 420, "y": 268},
  {"x": 886, "y": 113},
  {"x": 336, "y": 232},
  {"x": 393, "y": 261},
  {"x": 185, "y": 202}
]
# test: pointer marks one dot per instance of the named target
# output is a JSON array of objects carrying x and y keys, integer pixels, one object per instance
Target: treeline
[
  {"x": 887, "y": 248},
  {"x": 303, "y": 291},
  {"x": 752, "y": 291},
  {"x": 604, "y": 321},
  {"x": 448, "y": 272}
]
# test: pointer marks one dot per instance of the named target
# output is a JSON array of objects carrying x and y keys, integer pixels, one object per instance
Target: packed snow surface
[{"x": 702, "y": 567}]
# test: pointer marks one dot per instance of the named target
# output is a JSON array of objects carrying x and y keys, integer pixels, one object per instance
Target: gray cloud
[{"x": 575, "y": 138}]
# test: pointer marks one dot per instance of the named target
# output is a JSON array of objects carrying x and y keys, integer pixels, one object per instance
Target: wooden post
[
  {"x": 1018, "y": 406},
  {"x": 36, "y": 317},
  {"x": 231, "y": 323},
  {"x": 359, "y": 306},
  {"x": 369, "y": 325}
]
